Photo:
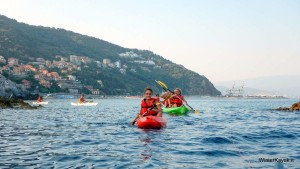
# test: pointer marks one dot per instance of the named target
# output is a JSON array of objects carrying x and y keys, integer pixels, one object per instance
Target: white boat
[
  {"x": 39, "y": 102},
  {"x": 84, "y": 104}
]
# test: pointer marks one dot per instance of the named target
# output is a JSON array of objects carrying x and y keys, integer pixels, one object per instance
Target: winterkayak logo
[{"x": 278, "y": 160}]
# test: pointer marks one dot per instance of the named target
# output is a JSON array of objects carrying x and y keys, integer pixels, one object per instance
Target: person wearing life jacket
[
  {"x": 149, "y": 106},
  {"x": 166, "y": 96},
  {"x": 40, "y": 99},
  {"x": 81, "y": 99},
  {"x": 157, "y": 98},
  {"x": 177, "y": 98}
]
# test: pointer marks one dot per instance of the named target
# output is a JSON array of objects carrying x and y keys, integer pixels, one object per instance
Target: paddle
[
  {"x": 165, "y": 87},
  {"x": 133, "y": 122},
  {"x": 47, "y": 96}
]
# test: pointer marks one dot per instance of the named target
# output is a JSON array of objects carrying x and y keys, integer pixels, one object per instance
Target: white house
[
  {"x": 118, "y": 64},
  {"x": 2, "y": 60},
  {"x": 123, "y": 71},
  {"x": 147, "y": 62},
  {"x": 106, "y": 61},
  {"x": 71, "y": 77}
]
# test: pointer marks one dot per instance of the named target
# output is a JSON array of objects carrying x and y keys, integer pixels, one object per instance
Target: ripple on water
[
  {"x": 216, "y": 140},
  {"x": 273, "y": 134},
  {"x": 227, "y": 135}
]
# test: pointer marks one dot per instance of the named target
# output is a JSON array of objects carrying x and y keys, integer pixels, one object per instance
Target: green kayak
[{"x": 182, "y": 110}]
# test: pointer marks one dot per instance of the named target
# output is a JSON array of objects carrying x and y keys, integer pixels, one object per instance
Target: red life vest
[
  {"x": 176, "y": 100},
  {"x": 39, "y": 99},
  {"x": 81, "y": 100},
  {"x": 165, "y": 102},
  {"x": 145, "y": 106}
]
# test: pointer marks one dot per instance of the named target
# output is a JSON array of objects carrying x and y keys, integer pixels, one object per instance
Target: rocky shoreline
[
  {"x": 294, "y": 107},
  {"x": 16, "y": 104}
]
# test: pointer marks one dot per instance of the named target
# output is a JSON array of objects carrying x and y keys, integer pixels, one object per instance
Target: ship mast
[{"x": 235, "y": 92}]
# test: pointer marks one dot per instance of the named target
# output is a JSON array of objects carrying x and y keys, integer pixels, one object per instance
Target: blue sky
[{"x": 221, "y": 39}]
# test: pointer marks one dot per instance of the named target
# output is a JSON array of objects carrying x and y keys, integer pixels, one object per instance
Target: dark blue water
[{"x": 229, "y": 133}]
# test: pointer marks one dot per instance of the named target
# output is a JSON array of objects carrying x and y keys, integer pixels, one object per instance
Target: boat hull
[
  {"x": 151, "y": 122},
  {"x": 182, "y": 110},
  {"x": 39, "y": 102},
  {"x": 84, "y": 104}
]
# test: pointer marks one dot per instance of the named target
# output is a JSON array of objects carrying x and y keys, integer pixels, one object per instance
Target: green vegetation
[{"x": 23, "y": 41}]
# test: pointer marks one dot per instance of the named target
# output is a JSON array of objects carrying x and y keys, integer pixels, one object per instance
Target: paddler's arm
[
  {"x": 159, "y": 110},
  {"x": 135, "y": 119},
  {"x": 169, "y": 102},
  {"x": 183, "y": 99}
]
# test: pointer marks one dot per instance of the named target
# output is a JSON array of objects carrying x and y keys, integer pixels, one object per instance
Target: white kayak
[
  {"x": 39, "y": 102},
  {"x": 84, "y": 104}
]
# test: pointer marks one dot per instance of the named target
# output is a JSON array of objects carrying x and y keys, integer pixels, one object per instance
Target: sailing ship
[{"x": 235, "y": 92}]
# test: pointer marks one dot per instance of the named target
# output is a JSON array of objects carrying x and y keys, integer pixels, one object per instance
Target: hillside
[{"x": 98, "y": 64}]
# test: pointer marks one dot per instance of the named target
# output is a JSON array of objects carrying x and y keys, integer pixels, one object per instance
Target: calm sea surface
[{"x": 228, "y": 133}]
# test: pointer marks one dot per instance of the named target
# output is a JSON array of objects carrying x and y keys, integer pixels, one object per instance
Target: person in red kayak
[
  {"x": 81, "y": 99},
  {"x": 177, "y": 99},
  {"x": 40, "y": 99},
  {"x": 149, "y": 106}
]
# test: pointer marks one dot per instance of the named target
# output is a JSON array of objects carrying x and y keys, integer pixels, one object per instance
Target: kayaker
[
  {"x": 157, "y": 98},
  {"x": 166, "y": 96},
  {"x": 40, "y": 99},
  {"x": 149, "y": 106},
  {"x": 177, "y": 98},
  {"x": 81, "y": 99}
]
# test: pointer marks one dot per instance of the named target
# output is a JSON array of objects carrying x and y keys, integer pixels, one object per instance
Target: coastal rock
[
  {"x": 294, "y": 107},
  {"x": 9, "y": 89},
  {"x": 15, "y": 103}
]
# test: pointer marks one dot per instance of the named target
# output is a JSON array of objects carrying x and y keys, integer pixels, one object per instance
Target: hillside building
[
  {"x": 123, "y": 71},
  {"x": 147, "y": 62},
  {"x": 129, "y": 54},
  {"x": 13, "y": 61},
  {"x": 118, "y": 64},
  {"x": 71, "y": 77},
  {"x": 95, "y": 92},
  {"x": 40, "y": 59},
  {"x": 75, "y": 59},
  {"x": 2, "y": 60},
  {"x": 106, "y": 61}
]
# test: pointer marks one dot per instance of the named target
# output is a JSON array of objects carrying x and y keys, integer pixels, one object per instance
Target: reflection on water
[
  {"x": 147, "y": 143},
  {"x": 147, "y": 152}
]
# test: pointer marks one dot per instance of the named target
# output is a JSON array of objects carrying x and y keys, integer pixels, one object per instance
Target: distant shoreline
[{"x": 76, "y": 96}]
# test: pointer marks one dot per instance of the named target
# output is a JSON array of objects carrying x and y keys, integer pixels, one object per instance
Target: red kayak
[{"x": 151, "y": 122}]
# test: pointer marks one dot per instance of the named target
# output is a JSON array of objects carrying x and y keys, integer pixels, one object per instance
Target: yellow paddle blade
[
  {"x": 197, "y": 112},
  {"x": 158, "y": 82},
  {"x": 162, "y": 84}
]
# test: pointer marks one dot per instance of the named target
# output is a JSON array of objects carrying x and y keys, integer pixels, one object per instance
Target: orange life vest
[
  {"x": 145, "y": 106},
  {"x": 166, "y": 103},
  {"x": 176, "y": 100},
  {"x": 39, "y": 99},
  {"x": 81, "y": 100}
]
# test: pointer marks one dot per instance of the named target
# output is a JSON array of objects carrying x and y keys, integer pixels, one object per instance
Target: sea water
[{"x": 228, "y": 133}]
